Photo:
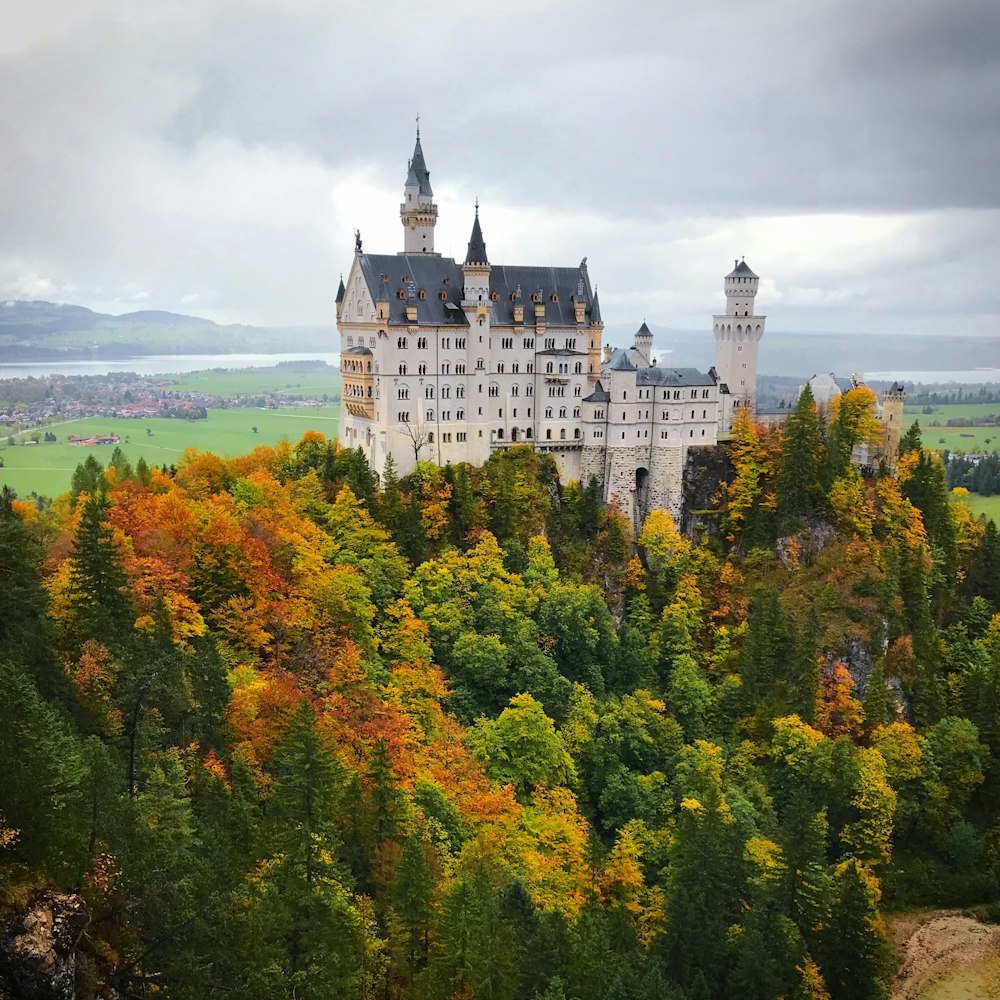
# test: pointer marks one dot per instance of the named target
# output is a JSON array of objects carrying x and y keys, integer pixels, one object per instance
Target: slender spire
[
  {"x": 595, "y": 310},
  {"x": 477, "y": 245},
  {"x": 341, "y": 290},
  {"x": 418, "y": 171}
]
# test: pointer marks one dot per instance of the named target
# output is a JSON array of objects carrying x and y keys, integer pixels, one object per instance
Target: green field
[
  {"x": 988, "y": 506},
  {"x": 938, "y": 437},
  {"x": 47, "y": 468},
  {"x": 251, "y": 381}
]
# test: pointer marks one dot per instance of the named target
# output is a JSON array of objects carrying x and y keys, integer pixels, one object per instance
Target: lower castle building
[{"x": 448, "y": 362}]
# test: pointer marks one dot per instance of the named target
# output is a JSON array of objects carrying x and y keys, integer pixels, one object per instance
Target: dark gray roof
[
  {"x": 644, "y": 331},
  {"x": 357, "y": 350},
  {"x": 419, "y": 170},
  {"x": 341, "y": 290},
  {"x": 562, "y": 352},
  {"x": 595, "y": 310},
  {"x": 599, "y": 395},
  {"x": 385, "y": 275},
  {"x": 897, "y": 387},
  {"x": 673, "y": 376},
  {"x": 477, "y": 245},
  {"x": 619, "y": 361},
  {"x": 740, "y": 270}
]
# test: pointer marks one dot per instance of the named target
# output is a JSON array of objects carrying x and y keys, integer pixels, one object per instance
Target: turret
[
  {"x": 737, "y": 335},
  {"x": 641, "y": 354},
  {"x": 418, "y": 213},
  {"x": 476, "y": 272},
  {"x": 892, "y": 423}
]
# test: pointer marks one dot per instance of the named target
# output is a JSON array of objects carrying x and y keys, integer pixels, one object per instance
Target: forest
[{"x": 280, "y": 727}]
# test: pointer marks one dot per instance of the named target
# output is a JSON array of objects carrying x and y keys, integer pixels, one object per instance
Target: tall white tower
[
  {"x": 737, "y": 334},
  {"x": 418, "y": 212}
]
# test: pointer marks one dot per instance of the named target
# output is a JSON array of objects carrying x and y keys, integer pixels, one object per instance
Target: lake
[
  {"x": 157, "y": 364},
  {"x": 969, "y": 376}
]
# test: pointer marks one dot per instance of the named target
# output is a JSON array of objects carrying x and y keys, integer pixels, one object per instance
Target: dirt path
[{"x": 937, "y": 944}]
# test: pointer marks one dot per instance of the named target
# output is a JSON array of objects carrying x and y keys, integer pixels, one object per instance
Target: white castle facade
[{"x": 448, "y": 362}]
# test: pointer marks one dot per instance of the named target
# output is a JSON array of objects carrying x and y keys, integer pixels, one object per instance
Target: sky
[{"x": 214, "y": 158}]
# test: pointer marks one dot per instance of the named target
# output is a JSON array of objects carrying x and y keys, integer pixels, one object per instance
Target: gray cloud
[{"x": 216, "y": 156}]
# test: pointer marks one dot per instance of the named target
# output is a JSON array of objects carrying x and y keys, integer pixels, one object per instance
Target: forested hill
[
  {"x": 37, "y": 331},
  {"x": 269, "y": 729}
]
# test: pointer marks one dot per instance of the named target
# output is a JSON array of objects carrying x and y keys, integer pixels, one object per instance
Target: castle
[{"x": 448, "y": 362}]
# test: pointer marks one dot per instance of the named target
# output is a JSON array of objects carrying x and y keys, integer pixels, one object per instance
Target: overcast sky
[{"x": 214, "y": 157}]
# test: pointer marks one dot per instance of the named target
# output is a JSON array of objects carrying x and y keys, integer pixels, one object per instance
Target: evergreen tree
[
  {"x": 100, "y": 600},
  {"x": 25, "y": 633},
  {"x": 853, "y": 954},
  {"x": 306, "y": 915},
  {"x": 799, "y": 493}
]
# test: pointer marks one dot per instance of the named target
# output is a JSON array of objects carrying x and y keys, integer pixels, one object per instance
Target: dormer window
[{"x": 555, "y": 298}]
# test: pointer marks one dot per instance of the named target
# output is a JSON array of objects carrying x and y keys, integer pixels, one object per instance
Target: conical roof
[
  {"x": 477, "y": 245},
  {"x": 740, "y": 270},
  {"x": 341, "y": 290},
  {"x": 419, "y": 172},
  {"x": 595, "y": 310},
  {"x": 644, "y": 331}
]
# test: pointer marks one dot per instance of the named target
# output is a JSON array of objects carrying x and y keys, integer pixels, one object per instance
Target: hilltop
[{"x": 45, "y": 331}]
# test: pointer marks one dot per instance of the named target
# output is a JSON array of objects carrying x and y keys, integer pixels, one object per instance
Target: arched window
[
  {"x": 402, "y": 369},
  {"x": 579, "y": 368},
  {"x": 562, "y": 434},
  {"x": 430, "y": 415},
  {"x": 548, "y": 368},
  {"x": 422, "y": 368}
]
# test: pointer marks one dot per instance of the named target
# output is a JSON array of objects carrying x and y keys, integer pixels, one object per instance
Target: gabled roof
[
  {"x": 599, "y": 395},
  {"x": 619, "y": 361},
  {"x": 740, "y": 270},
  {"x": 477, "y": 245},
  {"x": 673, "y": 377}
]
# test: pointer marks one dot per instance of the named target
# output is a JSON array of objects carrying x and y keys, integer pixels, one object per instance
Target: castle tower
[
  {"x": 418, "y": 212},
  {"x": 641, "y": 354},
  {"x": 892, "y": 423},
  {"x": 476, "y": 272},
  {"x": 737, "y": 334}
]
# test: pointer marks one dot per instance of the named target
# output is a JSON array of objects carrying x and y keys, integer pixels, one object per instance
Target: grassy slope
[
  {"x": 939, "y": 437},
  {"x": 47, "y": 468},
  {"x": 260, "y": 380},
  {"x": 988, "y": 506}
]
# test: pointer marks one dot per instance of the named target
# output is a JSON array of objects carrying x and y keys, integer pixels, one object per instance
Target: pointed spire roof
[
  {"x": 477, "y": 245},
  {"x": 418, "y": 173},
  {"x": 740, "y": 270},
  {"x": 341, "y": 290},
  {"x": 595, "y": 310},
  {"x": 644, "y": 331}
]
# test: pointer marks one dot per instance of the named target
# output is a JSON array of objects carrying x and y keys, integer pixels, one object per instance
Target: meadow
[
  {"x": 989, "y": 507},
  {"x": 252, "y": 381},
  {"x": 48, "y": 467},
  {"x": 938, "y": 437}
]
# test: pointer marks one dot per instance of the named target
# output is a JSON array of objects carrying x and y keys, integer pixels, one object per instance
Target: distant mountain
[
  {"x": 51, "y": 331},
  {"x": 804, "y": 354}
]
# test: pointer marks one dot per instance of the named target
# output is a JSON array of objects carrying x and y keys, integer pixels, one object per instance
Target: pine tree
[
  {"x": 100, "y": 600},
  {"x": 25, "y": 632},
  {"x": 799, "y": 493}
]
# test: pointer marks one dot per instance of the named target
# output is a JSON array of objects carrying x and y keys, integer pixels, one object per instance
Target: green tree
[
  {"x": 522, "y": 747},
  {"x": 799, "y": 494},
  {"x": 99, "y": 597}
]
